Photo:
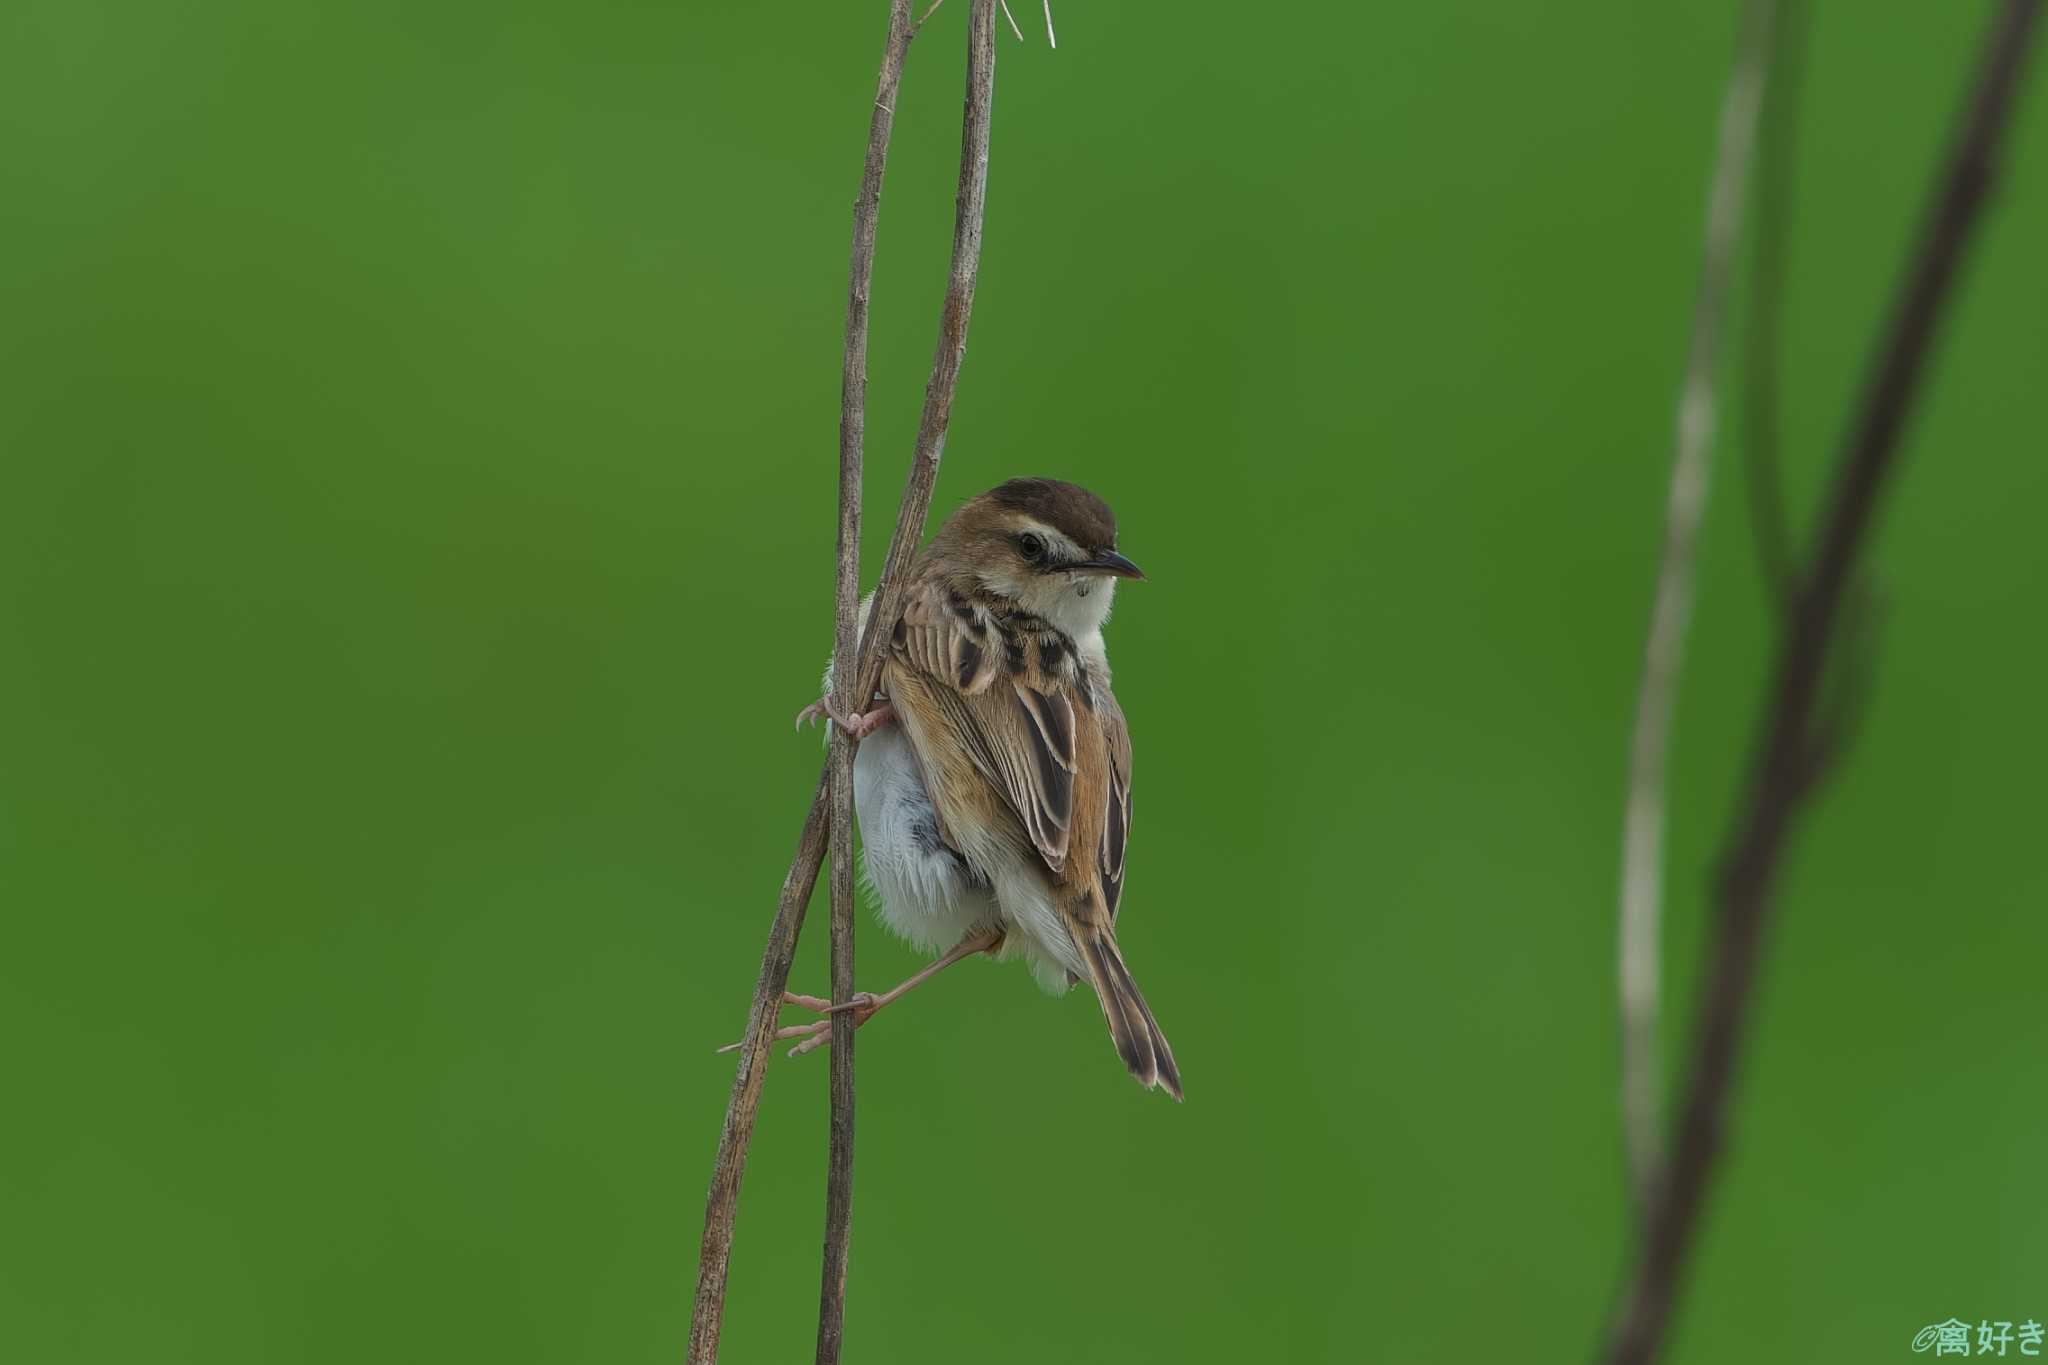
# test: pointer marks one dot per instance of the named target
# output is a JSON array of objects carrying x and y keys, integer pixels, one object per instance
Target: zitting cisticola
[{"x": 993, "y": 778}]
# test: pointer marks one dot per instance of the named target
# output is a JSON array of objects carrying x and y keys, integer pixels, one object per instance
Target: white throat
[{"x": 1077, "y": 603}]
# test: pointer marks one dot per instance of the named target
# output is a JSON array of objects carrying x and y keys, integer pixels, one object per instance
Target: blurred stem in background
[
  {"x": 1799, "y": 734},
  {"x": 1764, "y": 348},
  {"x": 1645, "y": 815}
]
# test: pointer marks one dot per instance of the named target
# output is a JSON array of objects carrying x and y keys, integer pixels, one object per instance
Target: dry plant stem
[
  {"x": 1784, "y": 763},
  {"x": 969, "y": 202},
  {"x": 721, "y": 1206},
  {"x": 853, "y": 397},
  {"x": 1763, "y": 353},
  {"x": 722, "y": 1203},
  {"x": 1643, "y": 824},
  {"x": 839, "y": 1168}
]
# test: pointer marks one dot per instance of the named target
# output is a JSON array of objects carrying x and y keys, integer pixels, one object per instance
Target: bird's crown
[{"x": 1068, "y": 508}]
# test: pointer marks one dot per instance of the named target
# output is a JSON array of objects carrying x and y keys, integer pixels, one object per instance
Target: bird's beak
[{"x": 1107, "y": 562}]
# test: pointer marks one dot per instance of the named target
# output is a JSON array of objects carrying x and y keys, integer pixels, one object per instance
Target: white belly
[{"x": 926, "y": 892}]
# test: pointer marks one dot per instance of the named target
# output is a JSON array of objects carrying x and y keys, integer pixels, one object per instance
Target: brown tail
[{"x": 1131, "y": 1025}]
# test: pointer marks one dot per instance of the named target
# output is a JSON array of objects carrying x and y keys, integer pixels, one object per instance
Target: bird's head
[{"x": 1046, "y": 545}]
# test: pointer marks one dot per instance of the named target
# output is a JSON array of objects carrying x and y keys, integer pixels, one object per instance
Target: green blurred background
[{"x": 415, "y": 536}]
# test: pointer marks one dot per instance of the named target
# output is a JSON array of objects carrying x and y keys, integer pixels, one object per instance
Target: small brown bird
[{"x": 993, "y": 781}]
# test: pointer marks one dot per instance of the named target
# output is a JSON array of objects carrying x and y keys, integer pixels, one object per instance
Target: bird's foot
[
  {"x": 860, "y": 724},
  {"x": 865, "y": 723},
  {"x": 863, "y": 1005},
  {"x": 818, "y": 1033}
]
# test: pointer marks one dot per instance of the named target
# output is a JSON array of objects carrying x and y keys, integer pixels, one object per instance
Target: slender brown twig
[
  {"x": 1842, "y": 709},
  {"x": 1644, "y": 819},
  {"x": 1763, "y": 355},
  {"x": 1784, "y": 764},
  {"x": 969, "y": 201},
  {"x": 722, "y": 1202},
  {"x": 853, "y": 399}
]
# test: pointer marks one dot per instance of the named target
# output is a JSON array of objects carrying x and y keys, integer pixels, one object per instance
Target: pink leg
[
  {"x": 860, "y": 724},
  {"x": 864, "y": 1006}
]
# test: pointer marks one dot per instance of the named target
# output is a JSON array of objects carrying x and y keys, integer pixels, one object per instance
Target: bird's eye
[{"x": 1032, "y": 546}]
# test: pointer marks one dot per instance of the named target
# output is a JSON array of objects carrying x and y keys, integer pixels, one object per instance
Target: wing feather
[
  {"x": 1019, "y": 731},
  {"x": 1116, "y": 823}
]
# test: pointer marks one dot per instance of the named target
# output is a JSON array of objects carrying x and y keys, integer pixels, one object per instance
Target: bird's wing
[
  {"x": 1116, "y": 823},
  {"x": 1003, "y": 693},
  {"x": 1050, "y": 741}
]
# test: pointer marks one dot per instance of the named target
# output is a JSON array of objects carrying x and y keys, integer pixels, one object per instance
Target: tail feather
[{"x": 1131, "y": 1025}]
